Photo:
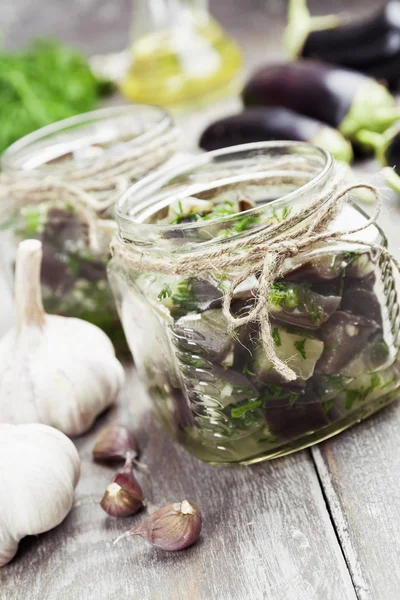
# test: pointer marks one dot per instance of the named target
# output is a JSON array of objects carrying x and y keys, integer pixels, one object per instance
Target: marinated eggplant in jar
[{"x": 330, "y": 322}]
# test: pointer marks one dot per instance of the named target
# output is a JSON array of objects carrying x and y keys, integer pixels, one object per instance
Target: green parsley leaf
[
  {"x": 165, "y": 292},
  {"x": 276, "y": 336},
  {"x": 299, "y": 345}
]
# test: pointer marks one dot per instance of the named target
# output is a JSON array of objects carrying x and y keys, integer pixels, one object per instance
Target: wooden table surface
[{"x": 323, "y": 524}]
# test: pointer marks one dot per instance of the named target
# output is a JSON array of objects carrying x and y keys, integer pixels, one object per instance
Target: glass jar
[
  {"x": 333, "y": 310},
  {"x": 179, "y": 53},
  {"x": 76, "y": 237}
]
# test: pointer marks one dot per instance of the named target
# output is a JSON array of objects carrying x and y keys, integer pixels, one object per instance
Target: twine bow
[{"x": 262, "y": 253}]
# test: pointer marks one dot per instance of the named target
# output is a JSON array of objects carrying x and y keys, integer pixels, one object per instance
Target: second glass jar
[{"x": 74, "y": 281}]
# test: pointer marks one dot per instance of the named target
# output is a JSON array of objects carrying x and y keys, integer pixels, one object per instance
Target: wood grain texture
[
  {"x": 267, "y": 533},
  {"x": 360, "y": 473}
]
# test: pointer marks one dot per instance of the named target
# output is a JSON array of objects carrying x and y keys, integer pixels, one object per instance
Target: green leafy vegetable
[{"x": 41, "y": 84}]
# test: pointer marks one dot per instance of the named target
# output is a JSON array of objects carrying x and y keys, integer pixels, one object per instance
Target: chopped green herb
[
  {"x": 187, "y": 217},
  {"x": 239, "y": 411},
  {"x": 328, "y": 404},
  {"x": 284, "y": 214},
  {"x": 165, "y": 292},
  {"x": 247, "y": 371},
  {"x": 276, "y": 336},
  {"x": 351, "y": 397},
  {"x": 362, "y": 393},
  {"x": 385, "y": 348},
  {"x": 277, "y": 293},
  {"x": 275, "y": 392},
  {"x": 245, "y": 223},
  {"x": 183, "y": 298},
  {"x": 314, "y": 311},
  {"x": 267, "y": 439},
  {"x": 280, "y": 294},
  {"x": 34, "y": 219},
  {"x": 389, "y": 382},
  {"x": 221, "y": 210},
  {"x": 299, "y": 345}
]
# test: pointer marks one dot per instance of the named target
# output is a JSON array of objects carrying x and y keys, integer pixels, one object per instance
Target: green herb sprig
[{"x": 41, "y": 84}]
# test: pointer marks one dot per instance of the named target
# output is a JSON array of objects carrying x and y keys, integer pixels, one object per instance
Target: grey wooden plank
[
  {"x": 360, "y": 473},
  {"x": 267, "y": 533}
]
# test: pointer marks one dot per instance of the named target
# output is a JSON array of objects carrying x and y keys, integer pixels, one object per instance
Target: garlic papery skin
[
  {"x": 39, "y": 470},
  {"x": 173, "y": 527},
  {"x": 54, "y": 370},
  {"x": 123, "y": 496},
  {"x": 114, "y": 443}
]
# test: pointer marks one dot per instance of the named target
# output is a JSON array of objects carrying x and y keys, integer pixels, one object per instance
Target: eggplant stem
[
  {"x": 392, "y": 179},
  {"x": 369, "y": 139},
  {"x": 301, "y": 23},
  {"x": 386, "y": 116}
]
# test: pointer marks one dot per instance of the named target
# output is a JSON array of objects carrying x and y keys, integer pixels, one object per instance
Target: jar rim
[
  {"x": 129, "y": 222},
  {"x": 9, "y": 158}
]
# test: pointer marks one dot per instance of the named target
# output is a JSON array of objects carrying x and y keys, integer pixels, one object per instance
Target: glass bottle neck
[{"x": 156, "y": 15}]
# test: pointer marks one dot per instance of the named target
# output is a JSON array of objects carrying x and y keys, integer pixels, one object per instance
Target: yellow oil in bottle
[{"x": 182, "y": 65}]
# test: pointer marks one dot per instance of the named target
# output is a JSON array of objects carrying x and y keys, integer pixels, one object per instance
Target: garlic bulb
[
  {"x": 54, "y": 370},
  {"x": 39, "y": 470}
]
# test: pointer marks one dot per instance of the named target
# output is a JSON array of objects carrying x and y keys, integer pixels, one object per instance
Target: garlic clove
[
  {"x": 246, "y": 204},
  {"x": 173, "y": 527},
  {"x": 123, "y": 496},
  {"x": 59, "y": 371},
  {"x": 114, "y": 442}
]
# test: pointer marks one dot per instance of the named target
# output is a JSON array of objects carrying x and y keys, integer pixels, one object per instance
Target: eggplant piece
[
  {"x": 276, "y": 123},
  {"x": 318, "y": 270},
  {"x": 291, "y": 421},
  {"x": 344, "y": 337},
  {"x": 370, "y": 45},
  {"x": 229, "y": 386},
  {"x": 346, "y": 100},
  {"x": 298, "y": 305},
  {"x": 362, "y": 268},
  {"x": 362, "y": 302},
  {"x": 209, "y": 331},
  {"x": 375, "y": 354}
]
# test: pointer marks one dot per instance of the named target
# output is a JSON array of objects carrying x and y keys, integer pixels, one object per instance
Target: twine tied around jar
[
  {"x": 261, "y": 253},
  {"x": 110, "y": 175}
]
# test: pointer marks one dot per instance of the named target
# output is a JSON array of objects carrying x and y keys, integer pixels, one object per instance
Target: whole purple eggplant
[
  {"x": 370, "y": 45},
  {"x": 260, "y": 124},
  {"x": 344, "y": 99}
]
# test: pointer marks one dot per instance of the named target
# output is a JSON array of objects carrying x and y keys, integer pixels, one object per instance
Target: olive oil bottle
[{"x": 180, "y": 54}]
